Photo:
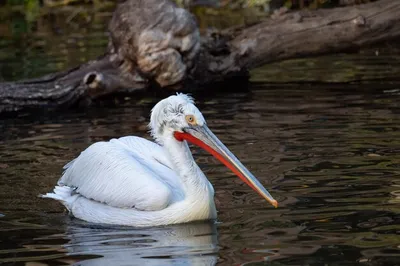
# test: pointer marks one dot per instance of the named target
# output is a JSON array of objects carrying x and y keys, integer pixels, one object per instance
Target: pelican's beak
[{"x": 204, "y": 138}]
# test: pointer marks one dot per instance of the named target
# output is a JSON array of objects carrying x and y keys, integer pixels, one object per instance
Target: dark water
[
  {"x": 328, "y": 153},
  {"x": 330, "y": 157}
]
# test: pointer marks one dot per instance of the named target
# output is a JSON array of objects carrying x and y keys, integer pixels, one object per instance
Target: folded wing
[{"x": 129, "y": 172}]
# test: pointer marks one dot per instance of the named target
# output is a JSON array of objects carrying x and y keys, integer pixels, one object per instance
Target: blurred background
[{"x": 44, "y": 36}]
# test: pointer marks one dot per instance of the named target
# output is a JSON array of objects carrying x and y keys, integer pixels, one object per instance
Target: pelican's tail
[{"x": 64, "y": 194}]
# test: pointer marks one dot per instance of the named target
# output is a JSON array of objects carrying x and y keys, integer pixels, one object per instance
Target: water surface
[{"x": 331, "y": 158}]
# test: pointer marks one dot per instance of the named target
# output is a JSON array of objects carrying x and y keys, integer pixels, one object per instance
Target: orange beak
[{"x": 205, "y": 139}]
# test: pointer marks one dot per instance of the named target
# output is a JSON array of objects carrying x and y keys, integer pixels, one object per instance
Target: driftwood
[{"x": 156, "y": 42}]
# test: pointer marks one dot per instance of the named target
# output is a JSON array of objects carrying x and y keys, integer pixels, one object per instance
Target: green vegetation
[
  {"x": 22, "y": 16},
  {"x": 30, "y": 5}
]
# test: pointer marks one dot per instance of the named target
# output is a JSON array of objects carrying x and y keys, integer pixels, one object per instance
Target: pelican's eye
[{"x": 191, "y": 120}]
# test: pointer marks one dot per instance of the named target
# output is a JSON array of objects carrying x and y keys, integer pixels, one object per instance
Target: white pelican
[{"x": 135, "y": 182}]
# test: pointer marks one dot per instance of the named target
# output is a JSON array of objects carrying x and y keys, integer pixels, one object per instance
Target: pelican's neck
[{"x": 191, "y": 175}]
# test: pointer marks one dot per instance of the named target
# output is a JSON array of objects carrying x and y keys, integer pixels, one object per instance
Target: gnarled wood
[
  {"x": 91, "y": 80},
  {"x": 154, "y": 40}
]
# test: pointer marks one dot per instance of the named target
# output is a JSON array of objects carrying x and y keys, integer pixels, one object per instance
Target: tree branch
[{"x": 156, "y": 41}]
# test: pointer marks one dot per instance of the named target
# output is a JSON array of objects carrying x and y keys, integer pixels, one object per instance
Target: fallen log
[{"x": 156, "y": 42}]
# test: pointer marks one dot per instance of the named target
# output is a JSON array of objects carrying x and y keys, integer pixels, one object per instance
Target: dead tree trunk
[{"x": 154, "y": 41}]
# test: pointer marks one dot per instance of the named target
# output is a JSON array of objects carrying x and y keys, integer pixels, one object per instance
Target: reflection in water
[
  {"x": 188, "y": 244},
  {"x": 80, "y": 243}
]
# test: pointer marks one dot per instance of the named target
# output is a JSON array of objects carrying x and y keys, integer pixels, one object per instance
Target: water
[
  {"x": 330, "y": 157},
  {"x": 328, "y": 153}
]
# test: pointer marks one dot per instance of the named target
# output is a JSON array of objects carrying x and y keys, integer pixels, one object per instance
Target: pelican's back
[{"x": 129, "y": 172}]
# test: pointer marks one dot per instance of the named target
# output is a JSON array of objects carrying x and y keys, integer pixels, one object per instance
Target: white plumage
[{"x": 133, "y": 181}]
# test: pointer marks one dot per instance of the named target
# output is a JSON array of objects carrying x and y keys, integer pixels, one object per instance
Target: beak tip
[{"x": 274, "y": 203}]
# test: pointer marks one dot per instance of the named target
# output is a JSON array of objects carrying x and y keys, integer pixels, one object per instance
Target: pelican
[{"x": 135, "y": 182}]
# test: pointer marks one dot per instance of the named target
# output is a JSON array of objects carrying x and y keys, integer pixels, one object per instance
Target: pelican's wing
[{"x": 129, "y": 172}]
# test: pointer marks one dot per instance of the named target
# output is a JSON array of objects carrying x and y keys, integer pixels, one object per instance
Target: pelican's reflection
[{"x": 186, "y": 244}]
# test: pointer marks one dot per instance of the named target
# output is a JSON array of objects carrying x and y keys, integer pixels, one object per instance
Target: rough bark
[
  {"x": 154, "y": 41},
  {"x": 89, "y": 81}
]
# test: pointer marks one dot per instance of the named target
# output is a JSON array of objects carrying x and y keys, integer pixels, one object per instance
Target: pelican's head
[
  {"x": 178, "y": 117},
  {"x": 174, "y": 113}
]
